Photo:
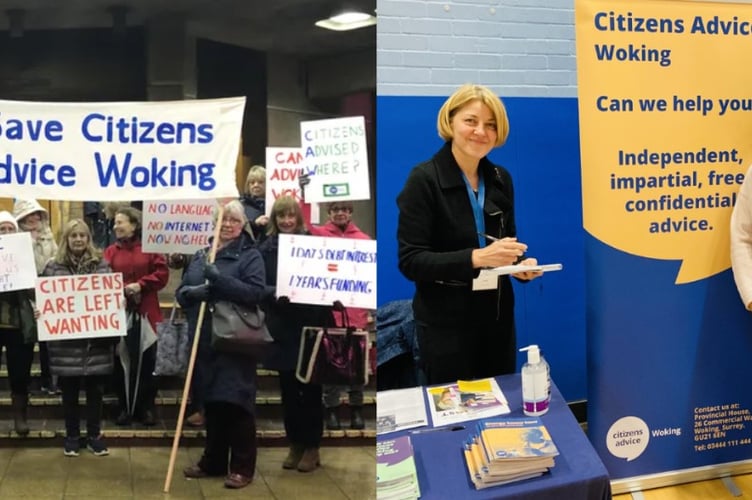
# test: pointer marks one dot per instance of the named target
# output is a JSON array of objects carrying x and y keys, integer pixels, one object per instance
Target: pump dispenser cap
[{"x": 533, "y": 354}]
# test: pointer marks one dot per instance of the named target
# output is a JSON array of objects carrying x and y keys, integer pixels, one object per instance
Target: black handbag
[{"x": 240, "y": 329}]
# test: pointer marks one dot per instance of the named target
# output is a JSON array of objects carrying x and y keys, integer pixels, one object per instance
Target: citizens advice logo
[
  {"x": 629, "y": 436},
  {"x": 336, "y": 190}
]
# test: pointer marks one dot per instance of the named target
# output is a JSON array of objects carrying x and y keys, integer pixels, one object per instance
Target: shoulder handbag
[
  {"x": 333, "y": 356},
  {"x": 240, "y": 329},
  {"x": 173, "y": 346}
]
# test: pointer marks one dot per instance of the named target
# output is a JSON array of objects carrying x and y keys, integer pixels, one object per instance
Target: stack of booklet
[
  {"x": 396, "y": 477},
  {"x": 504, "y": 450}
]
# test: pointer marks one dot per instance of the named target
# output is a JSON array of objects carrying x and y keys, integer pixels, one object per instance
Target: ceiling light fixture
[{"x": 347, "y": 21}]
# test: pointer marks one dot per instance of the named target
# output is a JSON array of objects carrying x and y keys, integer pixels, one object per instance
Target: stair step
[
  {"x": 268, "y": 406},
  {"x": 172, "y": 397},
  {"x": 265, "y": 379},
  {"x": 48, "y": 428},
  {"x": 269, "y": 432}
]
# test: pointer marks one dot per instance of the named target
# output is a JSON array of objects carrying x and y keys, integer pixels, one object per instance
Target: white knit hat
[{"x": 6, "y": 216}]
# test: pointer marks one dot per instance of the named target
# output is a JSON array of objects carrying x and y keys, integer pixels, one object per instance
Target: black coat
[
  {"x": 254, "y": 208},
  {"x": 223, "y": 376},
  {"x": 286, "y": 320},
  {"x": 81, "y": 357},
  {"x": 437, "y": 234}
]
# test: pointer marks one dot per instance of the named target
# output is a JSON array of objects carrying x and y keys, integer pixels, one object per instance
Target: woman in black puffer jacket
[{"x": 78, "y": 362}]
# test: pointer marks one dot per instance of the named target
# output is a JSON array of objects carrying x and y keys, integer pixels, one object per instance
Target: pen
[
  {"x": 492, "y": 238},
  {"x": 437, "y": 429}
]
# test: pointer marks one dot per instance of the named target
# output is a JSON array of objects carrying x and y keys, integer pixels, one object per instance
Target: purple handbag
[{"x": 333, "y": 356}]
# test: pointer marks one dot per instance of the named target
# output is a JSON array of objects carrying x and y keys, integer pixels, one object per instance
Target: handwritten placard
[
  {"x": 177, "y": 226},
  {"x": 320, "y": 270},
  {"x": 336, "y": 158},
  {"x": 283, "y": 168},
  {"x": 17, "y": 268},
  {"x": 81, "y": 306}
]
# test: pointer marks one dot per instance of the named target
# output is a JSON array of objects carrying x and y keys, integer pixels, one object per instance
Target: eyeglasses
[
  {"x": 231, "y": 221},
  {"x": 341, "y": 209}
]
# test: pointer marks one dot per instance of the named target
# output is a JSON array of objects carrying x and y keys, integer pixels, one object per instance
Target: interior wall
[
  {"x": 293, "y": 97},
  {"x": 72, "y": 65}
]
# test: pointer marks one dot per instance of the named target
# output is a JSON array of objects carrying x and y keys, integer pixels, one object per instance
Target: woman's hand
[
  {"x": 261, "y": 220},
  {"x": 176, "y": 260},
  {"x": 503, "y": 252},
  {"x": 132, "y": 289},
  {"x": 528, "y": 275},
  {"x": 198, "y": 293},
  {"x": 211, "y": 272},
  {"x": 37, "y": 314}
]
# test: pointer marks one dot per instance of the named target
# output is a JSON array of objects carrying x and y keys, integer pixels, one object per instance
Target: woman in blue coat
[
  {"x": 225, "y": 382},
  {"x": 301, "y": 403}
]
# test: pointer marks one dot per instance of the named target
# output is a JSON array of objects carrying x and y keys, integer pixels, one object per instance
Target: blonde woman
[
  {"x": 81, "y": 363},
  {"x": 456, "y": 216},
  {"x": 254, "y": 200}
]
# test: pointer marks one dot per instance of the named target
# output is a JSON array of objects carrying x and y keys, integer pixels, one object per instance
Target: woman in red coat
[{"x": 144, "y": 274}]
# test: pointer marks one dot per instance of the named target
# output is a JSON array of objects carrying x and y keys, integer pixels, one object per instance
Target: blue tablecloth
[{"x": 578, "y": 474}]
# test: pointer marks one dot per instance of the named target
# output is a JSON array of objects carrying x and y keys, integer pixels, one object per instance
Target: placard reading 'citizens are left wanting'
[
  {"x": 81, "y": 306},
  {"x": 120, "y": 150}
]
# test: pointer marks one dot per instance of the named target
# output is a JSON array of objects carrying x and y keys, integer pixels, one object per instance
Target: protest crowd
[{"x": 102, "y": 257}]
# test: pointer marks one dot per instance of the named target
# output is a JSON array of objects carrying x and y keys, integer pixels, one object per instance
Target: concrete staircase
[{"x": 48, "y": 427}]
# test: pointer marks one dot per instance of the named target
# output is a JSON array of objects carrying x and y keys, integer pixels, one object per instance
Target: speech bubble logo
[
  {"x": 627, "y": 438},
  {"x": 662, "y": 162}
]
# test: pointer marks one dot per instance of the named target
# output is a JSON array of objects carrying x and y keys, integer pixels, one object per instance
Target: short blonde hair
[
  {"x": 463, "y": 96},
  {"x": 256, "y": 173}
]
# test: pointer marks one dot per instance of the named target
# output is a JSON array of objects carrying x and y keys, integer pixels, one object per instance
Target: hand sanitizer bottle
[{"x": 535, "y": 383}]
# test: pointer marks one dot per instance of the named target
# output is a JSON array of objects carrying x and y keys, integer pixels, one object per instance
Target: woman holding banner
[
  {"x": 224, "y": 382},
  {"x": 301, "y": 403},
  {"x": 456, "y": 216},
  {"x": 84, "y": 362},
  {"x": 17, "y": 334},
  {"x": 143, "y": 276},
  {"x": 34, "y": 219}
]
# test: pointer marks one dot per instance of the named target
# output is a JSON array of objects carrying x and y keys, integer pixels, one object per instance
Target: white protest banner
[
  {"x": 283, "y": 168},
  {"x": 320, "y": 270},
  {"x": 80, "y": 306},
  {"x": 177, "y": 226},
  {"x": 120, "y": 150},
  {"x": 336, "y": 158},
  {"x": 17, "y": 268}
]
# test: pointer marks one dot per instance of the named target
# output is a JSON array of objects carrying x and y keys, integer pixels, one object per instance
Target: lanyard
[{"x": 477, "y": 206}]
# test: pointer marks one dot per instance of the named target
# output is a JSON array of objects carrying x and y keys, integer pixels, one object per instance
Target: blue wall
[{"x": 543, "y": 156}]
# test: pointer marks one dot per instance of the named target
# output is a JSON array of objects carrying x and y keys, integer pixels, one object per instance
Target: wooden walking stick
[{"x": 192, "y": 361}]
